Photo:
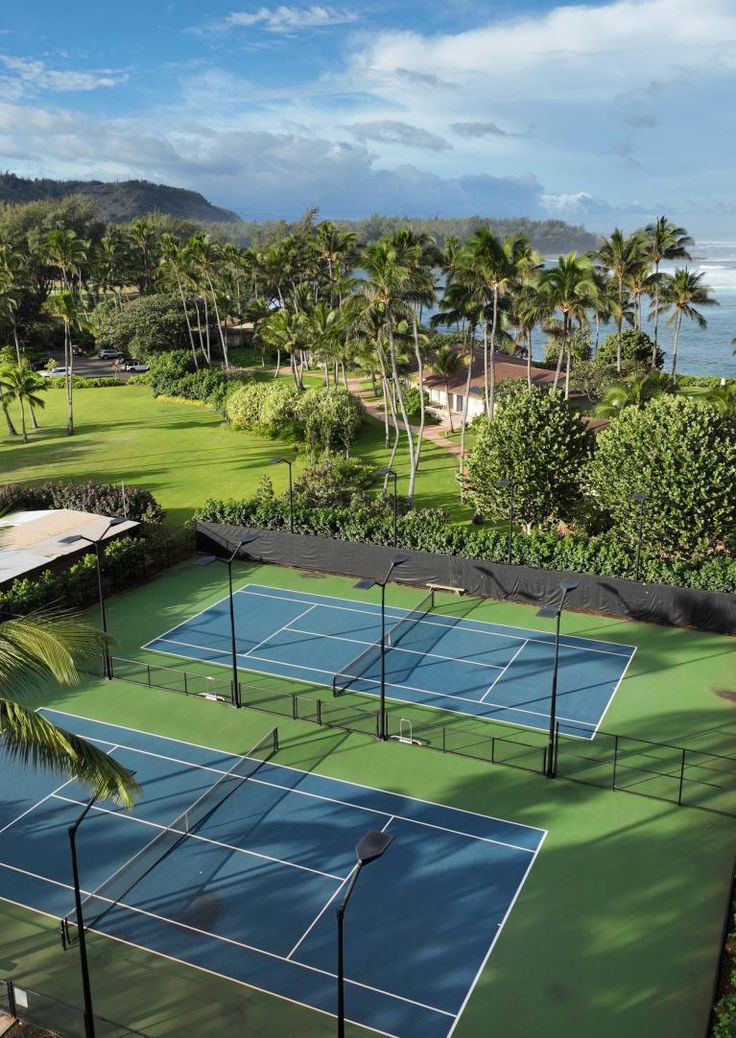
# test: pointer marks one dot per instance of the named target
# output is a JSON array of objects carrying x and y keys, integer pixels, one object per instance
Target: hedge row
[
  {"x": 431, "y": 530},
  {"x": 104, "y": 498}
]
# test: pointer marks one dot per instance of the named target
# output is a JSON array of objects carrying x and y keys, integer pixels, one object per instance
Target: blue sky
[{"x": 602, "y": 113}]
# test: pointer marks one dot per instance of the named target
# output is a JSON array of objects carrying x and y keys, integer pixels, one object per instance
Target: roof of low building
[
  {"x": 505, "y": 366},
  {"x": 30, "y": 541}
]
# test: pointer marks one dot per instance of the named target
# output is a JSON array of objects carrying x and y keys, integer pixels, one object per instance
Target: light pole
[
  {"x": 207, "y": 560},
  {"x": 74, "y": 539},
  {"x": 507, "y": 484},
  {"x": 89, "y": 1019},
  {"x": 366, "y": 585},
  {"x": 553, "y": 610},
  {"x": 641, "y": 499},
  {"x": 392, "y": 472},
  {"x": 369, "y": 848},
  {"x": 285, "y": 461}
]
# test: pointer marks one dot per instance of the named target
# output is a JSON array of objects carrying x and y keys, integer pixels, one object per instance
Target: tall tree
[
  {"x": 680, "y": 297},
  {"x": 622, "y": 256},
  {"x": 663, "y": 241},
  {"x": 65, "y": 306},
  {"x": 446, "y": 364},
  {"x": 570, "y": 288},
  {"x": 18, "y": 383}
]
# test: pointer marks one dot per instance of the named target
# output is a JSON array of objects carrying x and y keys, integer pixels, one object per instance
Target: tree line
[{"x": 320, "y": 298}]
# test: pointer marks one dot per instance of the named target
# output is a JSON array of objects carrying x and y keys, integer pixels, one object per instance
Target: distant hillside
[{"x": 119, "y": 201}]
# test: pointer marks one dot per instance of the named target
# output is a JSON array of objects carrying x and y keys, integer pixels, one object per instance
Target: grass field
[
  {"x": 617, "y": 928},
  {"x": 184, "y": 454}
]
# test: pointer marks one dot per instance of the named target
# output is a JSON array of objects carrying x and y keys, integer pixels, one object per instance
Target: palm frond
[
  {"x": 33, "y": 739},
  {"x": 43, "y": 643}
]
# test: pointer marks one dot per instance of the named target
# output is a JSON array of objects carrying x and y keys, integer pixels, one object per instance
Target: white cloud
[
  {"x": 36, "y": 76},
  {"x": 390, "y": 131},
  {"x": 284, "y": 19}
]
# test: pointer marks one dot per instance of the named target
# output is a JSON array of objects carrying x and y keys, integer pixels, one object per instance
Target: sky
[{"x": 605, "y": 113}]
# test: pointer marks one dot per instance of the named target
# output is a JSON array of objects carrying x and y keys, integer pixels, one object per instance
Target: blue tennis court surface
[
  {"x": 461, "y": 665},
  {"x": 250, "y": 894}
]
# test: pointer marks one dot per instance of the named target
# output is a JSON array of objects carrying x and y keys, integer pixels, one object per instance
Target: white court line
[
  {"x": 494, "y": 683},
  {"x": 329, "y": 902},
  {"x": 204, "y": 969},
  {"x": 497, "y": 934},
  {"x": 53, "y": 792},
  {"x": 399, "y": 648},
  {"x": 220, "y": 937},
  {"x": 278, "y": 631},
  {"x": 204, "y": 839},
  {"x": 611, "y": 697},
  {"x": 466, "y": 624},
  {"x": 404, "y": 699},
  {"x": 288, "y": 767}
]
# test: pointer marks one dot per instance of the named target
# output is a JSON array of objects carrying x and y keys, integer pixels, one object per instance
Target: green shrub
[
  {"x": 142, "y": 327},
  {"x": 682, "y": 454},
  {"x": 334, "y": 481},
  {"x": 636, "y": 350},
  {"x": 103, "y": 498},
  {"x": 329, "y": 418},
  {"x": 538, "y": 443}
]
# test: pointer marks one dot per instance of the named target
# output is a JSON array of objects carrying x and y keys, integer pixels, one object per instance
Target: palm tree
[
  {"x": 663, "y": 241},
  {"x": 19, "y": 383},
  {"x": 35, "y": 648},
  {"x": 446, "y": 363},
  {"x": 570, "y": 288},
  {"x": 623, "y": 257},
  {"x": 65, "y": 306},
  {"x": 5, "y": 402},
  {"x": 284, "y": 330},
  {"x": 680, "y": 296},
  {"x": 497, "y": 263},
  {"x": 635, "y": 392},
  {"x": 68, "y": 253},
  {"x": 531, "y": 307}
]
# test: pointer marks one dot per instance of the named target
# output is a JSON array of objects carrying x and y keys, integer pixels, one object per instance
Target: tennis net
[
  {"x": 357, "y": 669},
  {"x": 122, "y": 881}
]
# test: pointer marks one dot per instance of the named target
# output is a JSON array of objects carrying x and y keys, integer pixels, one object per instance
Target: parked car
[
  {"x": 77, "y": 350},
  {"x": 136, "y": 366},
  {"x": 40, "y": 363},
  {"x": 110, "y": 354},
  {"x": 53, "y": 372}
]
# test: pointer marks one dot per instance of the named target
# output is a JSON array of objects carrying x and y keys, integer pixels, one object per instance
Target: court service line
[
  {"x": 615, "y": 690},
  {"x": 460, "y": 624},
  {"x": 220, "y": 937},
  {"x": 288, "y": 767},
  {"x": 498, "y": 678},
  {"x": 203, "y": 839},
  {"x": 331, "y": 899},
  {"x": 273, "y": 634},
  {"x": 398, "y": 648}
]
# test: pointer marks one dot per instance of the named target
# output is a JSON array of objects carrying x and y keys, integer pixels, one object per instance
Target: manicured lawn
[
  {"x": 183, "y": 453},
  {"x": 617, "y": 928}
]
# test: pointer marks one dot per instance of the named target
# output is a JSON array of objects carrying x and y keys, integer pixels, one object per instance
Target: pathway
[{"x": 434, "y": 433}]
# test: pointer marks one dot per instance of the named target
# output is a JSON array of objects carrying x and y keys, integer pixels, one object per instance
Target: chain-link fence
[{"x": 54, "y": 1016}]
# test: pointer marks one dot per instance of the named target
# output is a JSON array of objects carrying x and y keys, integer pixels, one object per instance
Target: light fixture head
[
  {"x": 549, "y": 612},
  {"x": 568, "y": 584},
  {"x": 640, "y": 497},
  {"x": 503, "y": 484},
  {"x": 366, "y": 584},
  {"x": 205, "y": 560},
  {"x": 387, "y": 471},
  {"x": 399, "y": 559},
  {"x": 372, "y": 845},
  {"x": 248, "y": 539},
  {"x": 72, "y": 539}
]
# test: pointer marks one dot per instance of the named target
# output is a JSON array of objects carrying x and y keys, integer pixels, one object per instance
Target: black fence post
[
  {"x": 12, "y": 1007},
  {"x": 148, "y": 672},
  {"x": 295, "y": 708},
  {"x": 615, "y": 761},
  {"x": 557, "y": 746},
  {"x": 186, "y": 688},
  {"x": 493, "y": 749},
  {"x": 444, "y": 739},
  {"x": 682, "y": 776},
  {"x": 319, "y": 711}
]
